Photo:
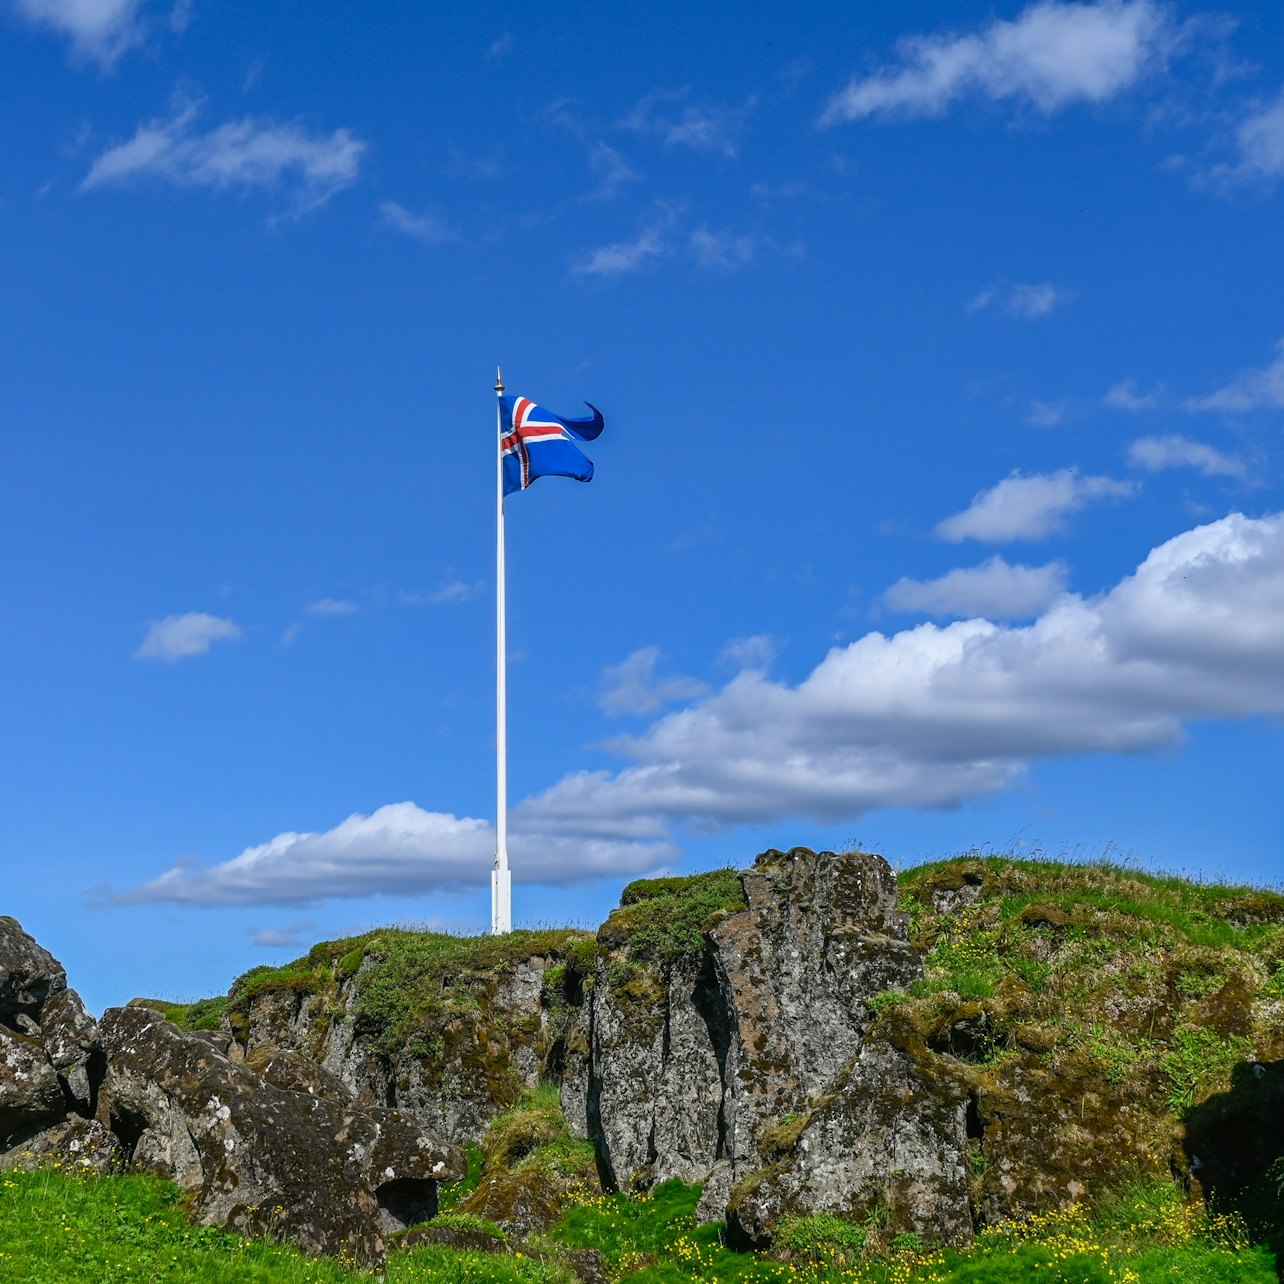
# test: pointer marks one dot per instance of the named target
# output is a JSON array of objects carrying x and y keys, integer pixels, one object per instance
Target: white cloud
[
  {"x": 633, "y": 687},
  {"x": 450, "y": 594},
  {"x": 1029, "y": 506},
  {"x": 400, "y": 849},
  {"x": 500, "y": 47},
  {"x": 332, "y": 606},
  {"x": 993, "y": 589},
  {"x": 308, "y": 168},
  {"x": 177, "y": 637},
  {"x": 724, "y": 251},
  {"x": 623, "y": 256},
  {"x": 100, "y": 30},
  {"x": 1124, "y": 396},
  {"x": 427, "y": 228},
  {"x": 756, "y": 652},
  {"x": 935, "y": 715},
  {"x": 1255, "y": 389},
  {"x": 1027, "y": 301},
  {"x": 928, "y": 717},
  {"x": 1156, "y": 453},
  {"x": 1050, "y": 56}
]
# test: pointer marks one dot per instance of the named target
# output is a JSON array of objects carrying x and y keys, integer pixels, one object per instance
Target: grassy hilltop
[{"x": 1122, "y": 1035}]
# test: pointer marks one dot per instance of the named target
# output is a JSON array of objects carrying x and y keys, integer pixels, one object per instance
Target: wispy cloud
[
  {"x": 1029, "y": 506},
  {"x": 623, "y": 257},
  {"x": 332, "y": 606},
  {"x": 1260, "y": 388},
  {"x": 1124, "y": 396},
  {"x": 722, "y": 251},
  {"x": 703, "y": 127},
  {"x": 451, "y": 593},
  {"x": 1049, "y": 57},
  {"x": 1157, "y": 453},
  {"x": 755, "y": 652},
  {"x": 427, "y": 228},
  {"x": 100, "y": 30},
  {"x": 500, "y": 47},
  {"x": 993, "y": 589},
  {"x": 1027, "y": 301},
  {"x": 178, "y": 637},
  {"x": 1047, "y": 414},
  {"x": 612, "y": 170},
  {"x": 306, "y": 168},
  {"x": 633, "y": 686}
]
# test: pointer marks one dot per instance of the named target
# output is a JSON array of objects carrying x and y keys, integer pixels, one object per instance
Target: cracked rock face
[
  {"x": 693, "y": 1064},
  {"x": 331, "y": 1176}
]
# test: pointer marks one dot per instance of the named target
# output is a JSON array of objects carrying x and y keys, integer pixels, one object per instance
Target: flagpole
[{"x": 501, "y": 886}]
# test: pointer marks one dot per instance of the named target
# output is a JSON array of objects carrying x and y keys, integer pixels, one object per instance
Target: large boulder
[
  {"x": 262, "y": 1159},
  {"x": 50, "y": 1059}
]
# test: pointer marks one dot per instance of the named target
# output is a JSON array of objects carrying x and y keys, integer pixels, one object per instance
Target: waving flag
[{"x": 534, "y": 442}]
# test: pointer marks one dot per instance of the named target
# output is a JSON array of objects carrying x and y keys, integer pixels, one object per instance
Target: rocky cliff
[{"x": 990, "y": 1038}]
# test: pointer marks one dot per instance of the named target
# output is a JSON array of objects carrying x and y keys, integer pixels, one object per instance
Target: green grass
[
  {"x": 1146, "y": 1235},
  {"x": 60, "y": 1229},
  {"x": 57, "y": 1228},
  {"x": 204, "y": 1014}
]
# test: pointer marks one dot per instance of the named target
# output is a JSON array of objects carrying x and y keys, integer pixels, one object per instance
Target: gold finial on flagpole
[{"x": 499, "y": 380}]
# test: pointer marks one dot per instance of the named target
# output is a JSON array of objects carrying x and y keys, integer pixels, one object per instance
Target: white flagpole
[{"x": 501, "y": 885}]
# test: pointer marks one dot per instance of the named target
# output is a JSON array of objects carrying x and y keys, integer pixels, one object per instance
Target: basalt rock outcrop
[
  {"x": 750, "y": 1062},
  {"x": 707, "y": 1014},
  {"x": 991, "y": 1038}
]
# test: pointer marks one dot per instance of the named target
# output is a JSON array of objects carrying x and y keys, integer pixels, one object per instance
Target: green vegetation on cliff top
[
  {"x": 1102, "y": 970},
  {"x": 407, "y": 983},
  {"x": 662, "y": 919}
]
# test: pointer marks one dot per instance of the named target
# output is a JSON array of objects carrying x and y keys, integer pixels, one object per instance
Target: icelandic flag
[{"x": 534, "y": 442}]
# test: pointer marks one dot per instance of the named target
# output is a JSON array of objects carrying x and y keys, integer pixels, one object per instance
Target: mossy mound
[
  {"x": 1093, "y": 1008},
  {"x": 662, "y": 919},
  {"x": 532, "y": 1167}
]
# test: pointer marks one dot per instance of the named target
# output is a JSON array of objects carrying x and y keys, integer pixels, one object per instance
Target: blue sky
[{"x": 939, "y": 505}]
